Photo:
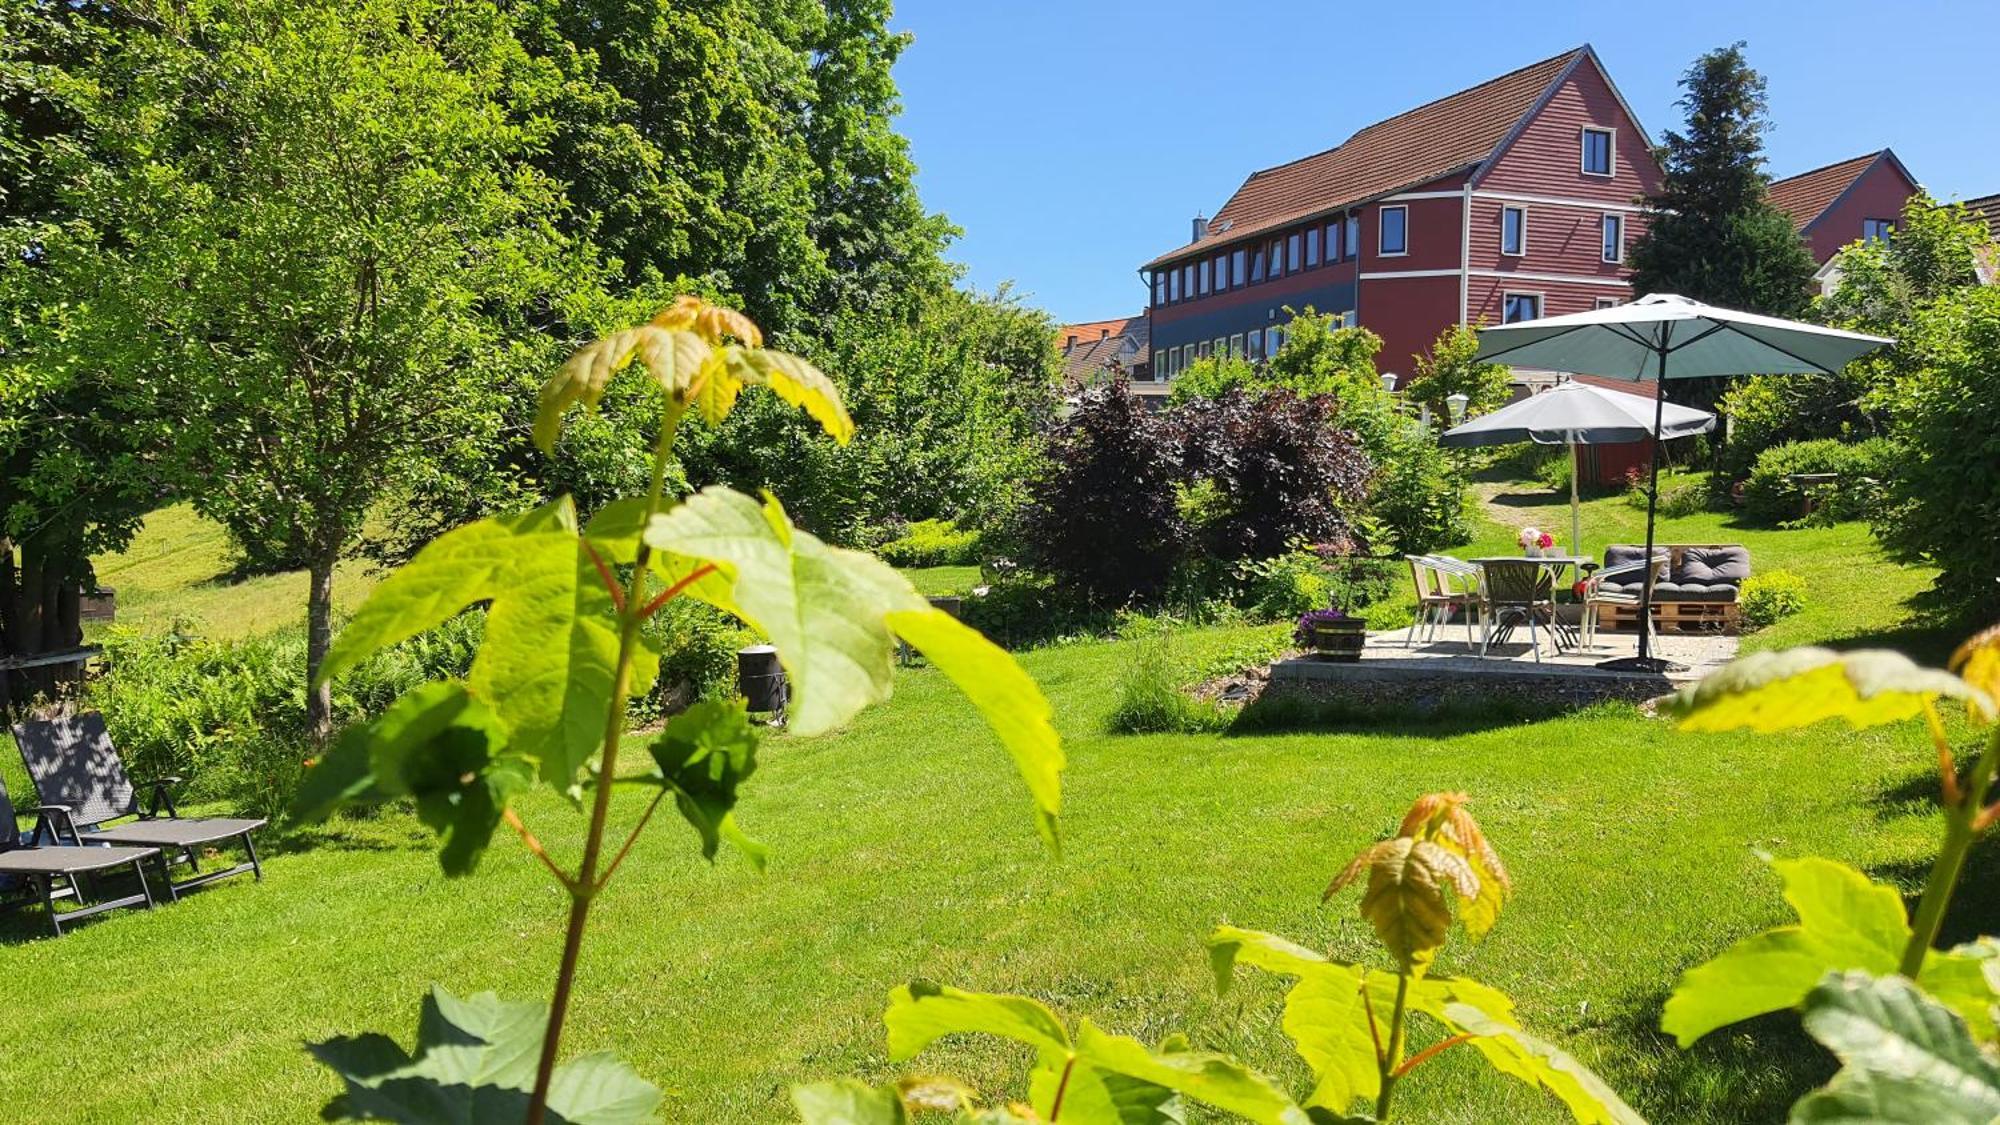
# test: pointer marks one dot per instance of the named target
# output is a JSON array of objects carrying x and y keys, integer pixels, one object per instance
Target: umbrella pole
[
  {"x": 1575, "y": 513},
  {"x": 1652, "y": 507}
]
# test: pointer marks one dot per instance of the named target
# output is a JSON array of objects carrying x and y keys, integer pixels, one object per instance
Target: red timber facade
[
  {"x": 1855, "y": 200},
  {"x": 1514, "y": 199}
]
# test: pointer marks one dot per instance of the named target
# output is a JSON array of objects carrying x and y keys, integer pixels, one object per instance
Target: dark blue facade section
[{"x": 1236, "y": 317}]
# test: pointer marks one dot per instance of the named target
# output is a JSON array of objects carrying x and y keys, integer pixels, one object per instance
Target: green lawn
[
  {"x": 178, "y": 568},
  {"x": 903, "y": 847}
]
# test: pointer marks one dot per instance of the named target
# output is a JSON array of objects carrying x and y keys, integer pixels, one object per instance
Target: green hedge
[
  {"x": 933, "y": 543},
  {"x": 1771, "y": 497}
]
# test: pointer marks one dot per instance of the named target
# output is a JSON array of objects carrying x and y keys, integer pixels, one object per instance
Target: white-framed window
[
  {"x": 1393, "y": 233},
  {"x": 1351, "y": 244},
  {"x": 1174, "y": 284},
  {"x": 1236, "y": 271},
  {"x": 1594, "y": 154},
  {"x": 1159, "y": 287},
  {"x": 1346, "y": 319},
  {"x": 1236, "y": 345},
  {"x": 1274, "y": 339},
  {"x": 1218, "y": 347},
  {"x": 1187, "y": 283},
  {"x": 1612, "y": 234},
  {"x": 1201, "y": 350},
  {"x": 1520, "y": 306},
  {"x": 1277, "y": 258},
  {"x": 1876, "y": 230},
  {"x": 1256, "y": 341},
  {"x": 1222, "y": 273},
  {"x": 1514, "y": 231},
  {"x": 1295, "y": 258},
  {"x": 1257, "y": 263},
  {"x": 1606, "y": 303},
  {"x": 1205, "y": 272},
  {"x": 1333, "y": 242},
  {"x": 1312, "y": 246}
]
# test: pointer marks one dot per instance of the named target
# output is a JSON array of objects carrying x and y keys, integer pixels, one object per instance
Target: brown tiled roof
[
  {"x": 1807, "y": 195},
  {"x": 1102, "y": 343},
  {"x": 1985, "y": 209},
  {"x": 1423, "y": 144}
]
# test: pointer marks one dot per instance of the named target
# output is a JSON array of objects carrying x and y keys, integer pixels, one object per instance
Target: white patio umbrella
[
  {"x": 1574, "y": 414},
  {"x": 1664, "y": 337}
]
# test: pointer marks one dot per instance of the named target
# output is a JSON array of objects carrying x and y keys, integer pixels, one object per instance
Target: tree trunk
[
  {"x": 40, "y": 611},
  {"x": 319, "y": 637}
]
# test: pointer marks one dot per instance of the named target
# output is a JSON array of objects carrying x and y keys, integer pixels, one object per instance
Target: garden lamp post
[{"x": 1456, "y": 403}]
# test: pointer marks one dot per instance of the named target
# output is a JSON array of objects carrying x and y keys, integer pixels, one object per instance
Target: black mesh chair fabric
[{"x": 74, "y": 764}]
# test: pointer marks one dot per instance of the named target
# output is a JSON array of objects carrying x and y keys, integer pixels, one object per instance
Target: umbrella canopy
[
  {"x": 1576, "y": 414},
  {"x": 1580, "y": 414},
  {"x": 1662, "y": 337},
  {"x": 1673, "y": 337}
]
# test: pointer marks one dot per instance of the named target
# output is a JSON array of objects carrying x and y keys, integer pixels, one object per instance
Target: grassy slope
[
  {"x": 903, "y": 847},
  {"x": 178, "y": 567}
]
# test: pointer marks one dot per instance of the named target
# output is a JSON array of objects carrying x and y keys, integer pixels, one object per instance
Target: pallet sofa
[{"x": 1695, "y": 592}]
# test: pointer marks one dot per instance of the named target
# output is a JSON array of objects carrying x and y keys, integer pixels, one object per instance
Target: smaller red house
[{"x": 1855, "y": 199}]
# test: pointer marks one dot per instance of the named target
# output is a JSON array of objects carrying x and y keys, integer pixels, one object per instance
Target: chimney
[{"x": 1200, "y": 229}]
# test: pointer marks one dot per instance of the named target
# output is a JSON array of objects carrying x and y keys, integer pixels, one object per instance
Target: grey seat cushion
[
  {"x": 1694, "y": 592},
  {"x": 174, "y": 832},
  {"x": 1711, "y": 565}
]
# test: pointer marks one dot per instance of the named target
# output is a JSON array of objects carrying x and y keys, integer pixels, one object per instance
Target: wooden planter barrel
[{"x": 1340, "y": 640}]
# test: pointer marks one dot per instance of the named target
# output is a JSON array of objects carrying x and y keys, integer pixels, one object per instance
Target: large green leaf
[
  {"x": 1909, "y": 1059},
  {"x": 1537, "y": 1062},
  {"x": 1324, "y": 1014},
  {"x": 833, "y": 616},
  {"x": 1090, "y": 1096},
  {"x": 1771, "y": 691},
  {"x": 438, "y": 744},
  {"x": 475, "y": 1062},
  {"x": 551, "y": 642},
  {"x": 1208, "y": 1078},
  {"x": 1845, "y": 922},
  {"x": 920, "y": 1012},
  {"x": 848, "y": 1101},
  {"x": 703, "y": 754}
]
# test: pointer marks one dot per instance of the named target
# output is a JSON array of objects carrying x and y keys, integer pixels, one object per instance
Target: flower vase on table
[
  {"x": 1331, "y": 634},
  {"x": 1534, "y": 542}
]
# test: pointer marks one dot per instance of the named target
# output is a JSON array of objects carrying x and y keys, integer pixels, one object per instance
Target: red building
[
  {"x": 1511, "y": 200},
  {"x": 1856, "y": 199}
]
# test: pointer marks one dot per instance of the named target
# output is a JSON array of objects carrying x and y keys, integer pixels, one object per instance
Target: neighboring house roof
[
  {"x": 1985, "y": 209},
  {"x": 1439, "y": 138},
  {"x": 1102, "y": 344},
  {"x": 1809, "y": 195}
]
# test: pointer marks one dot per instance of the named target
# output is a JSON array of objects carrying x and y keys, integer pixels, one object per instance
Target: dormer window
[{"x": 1596, "y": 151}]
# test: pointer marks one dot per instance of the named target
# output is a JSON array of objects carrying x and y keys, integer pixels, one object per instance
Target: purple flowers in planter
[{"x": 1312, "y": 619}]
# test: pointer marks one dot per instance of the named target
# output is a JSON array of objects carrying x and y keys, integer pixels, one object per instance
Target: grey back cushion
[
  {"x": 1618, "y": 554},
  {"x": 1714, "y": 565}
]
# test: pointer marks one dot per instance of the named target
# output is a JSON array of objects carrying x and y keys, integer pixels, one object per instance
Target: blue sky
[{"x": 1073, "y": 141}]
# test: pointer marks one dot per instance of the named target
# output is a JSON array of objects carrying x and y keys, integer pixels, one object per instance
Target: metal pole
[
  {"x": 1652, "y": 506},
  {"x": 1575, "y": 513}
]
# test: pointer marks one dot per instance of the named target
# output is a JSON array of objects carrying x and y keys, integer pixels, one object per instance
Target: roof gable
[
  {"x": 1434, "y": 140},
  {"x": 1809, "y": 195}
]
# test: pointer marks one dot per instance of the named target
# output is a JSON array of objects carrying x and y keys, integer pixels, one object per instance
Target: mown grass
[
  {"x": 902, "y": 847},
  {"x": 178, "y": 569}
]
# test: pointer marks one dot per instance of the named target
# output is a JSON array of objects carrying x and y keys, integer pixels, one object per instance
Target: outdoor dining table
[{"x": 1566, "y": 636}]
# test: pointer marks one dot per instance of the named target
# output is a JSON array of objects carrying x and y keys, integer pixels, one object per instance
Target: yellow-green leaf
[
  {"x": 921, "y": 1012},
  {"x": 1977, "y": 661},
  {"x": 551, "y": 642},
  {"x": 1206, "y": 1077},
  {"x": 833, "y": 616},
  {"x": 1229, "y": 945},
  {"x": 1771, "y": 691},
  {"x": 798, "y": 383},
  {"x": 1517, "y": 1054},
  {"x": 582, "y": 378},
  {"x": 1845, "y": 922},
  {"x": 1405, "y": 901}
]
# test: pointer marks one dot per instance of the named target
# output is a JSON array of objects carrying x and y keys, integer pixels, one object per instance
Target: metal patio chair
[
  {"x": 1445, "y": 585},
  {"x": 51, "y": 863},
  {"x": 1595, "y": 594},
  {"x": 1523, "y": 589},
  {"x": 74, "y": 765}
]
